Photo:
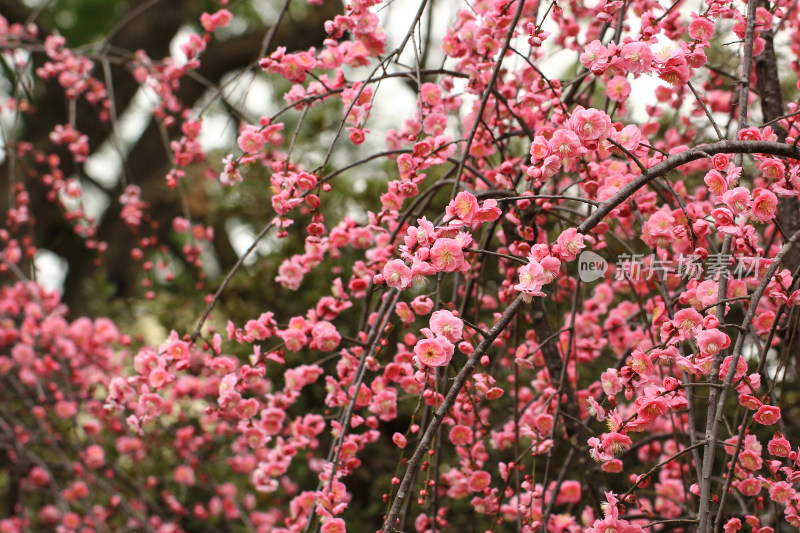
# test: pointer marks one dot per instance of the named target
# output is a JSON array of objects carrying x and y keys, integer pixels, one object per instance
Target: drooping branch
[
  {"x": 405, "y": 487},
  {"x": 679, "y": 159},
  {"x": 722, "y": 289},
  {"x": 769, "y": 89},
  {"x": 576, "y": 431},
  {"x": 712, "y": 436}
]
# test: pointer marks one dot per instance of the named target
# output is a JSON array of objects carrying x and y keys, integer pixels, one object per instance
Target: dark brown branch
[
  {"x": 576, "y": 431},
  {"x": 405, "y": 487},
  {"x": 675, "y": 161}
]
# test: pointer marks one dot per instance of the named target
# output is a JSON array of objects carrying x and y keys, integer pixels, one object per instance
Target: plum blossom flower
[
  {"x": 649, "y": 409},
  {"x": 618, "y": 89},
  {"x": 250, "y": 139},
  {"x": 419, "y": 271},
  {"x": 750, "y": 486},
  {"x": 665, "y": 357},
  {"x": 446, "y": 255},
  {"x": 570, "y": 492},
  {"x": 220, "y": 19},
  {"x": 732, "y": 525},
  {"x": 594, "y": 56},
  {"x": 325, "y": 336},
  {"x": 230, "y": 174},
  {"x": 488, "y": 212},
  {"x": 422, "y": 234},
  {"x": 701, "y": 28},
  {"x": 590, "y": 125},
  {"x": 629, "y": 136},
  {"x": 184, "y": 475},
  {"x": 384, "y": 404},
  {"x": 767, "y": 415},
  {"x": 333, "y": 525},
  {"x": 595, "y": 409},
  {"x": 434, "y": 352},
  {"x": 688, "y": 321},
  {"x": 782, "y": 492},
  {"x": 422, "y": 305},
  {"x": 772, "y": 169},
  {"x": 295, "y": 339},
  {"x": 551, "y": 266},
  {"x": 94, "y": 457},
  {"x": 712, "y": 341},
  {"x": 637, "y": 57},
  {"x": 551, "y": 165},
  {"x": 724, "y": 221},
  {"x": 447, "y": 325},
  {"x": 779, "y": 446},
  {"x": 750, "y": 134},
  {"x": 460, "y": 435},
  {"x": 737, "y": 200},
  {"x": 716, "y": 183},
  {"x": 658, "y": 230},
  {"x": 539, "y": 148},
  {"x": 479, "y": 481},
  {"x": 615, "y": 442},
  {"x": 290, "y": 274},
  {"x": 463, "y": 207},
  {"x": 720, "y": 161},
  {"x": 741, "y": 368},
  {"x": 531, "y": 279},
  {"x": 431, "y": 94},
  {"x": 405, "y": 313},
  {"x": 641, "y": 364},
  {"x": 397, "y": 274},
  {"x": 611, "y": 382},
  {"x": 569, "y": 244},
  {"x": 765, "y": 204},
  {"x": 463, "y": 239},
  {"x": 565, "y": 144},
  {"x": 673, "y": 67},
  {"x": 400, "y": 440}
]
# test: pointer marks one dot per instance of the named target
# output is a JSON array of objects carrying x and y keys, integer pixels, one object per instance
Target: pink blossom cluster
[{"x": 455, "y": 348}]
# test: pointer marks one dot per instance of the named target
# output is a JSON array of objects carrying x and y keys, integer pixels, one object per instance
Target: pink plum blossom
[
  {"x": 434, "y": 352},
  {"x": 397, "y": 274},
  {"x": 446, "y": 255},
  {"x": 444, "y": 323}
]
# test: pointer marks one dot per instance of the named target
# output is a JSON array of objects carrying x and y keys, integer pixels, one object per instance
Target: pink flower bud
[{"x": 671, "y": 383}]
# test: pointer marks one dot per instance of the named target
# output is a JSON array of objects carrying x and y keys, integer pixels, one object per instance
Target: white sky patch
[
  {"x": 266, "y": 10},
  {"x": 392, "y": 104},
  {"x": 135, "y": 119},
  {"x": 643, "y": 91},
  {"x": 218, "y": 132},
  {"x": 211, "y": 266},
  {"x": 95, "y": 201},
  {"x": 751, "y": 352},
  {"x": 359, "y": 185},
  {"x": 259, "y": 97},
  {"x": 51, "y": 269},
  {"x": 8, "y": 117},
  {"x": 249, "y": 93},
  {"x": 105, "y": 164},
  {"x": 241, "y": 237}
]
